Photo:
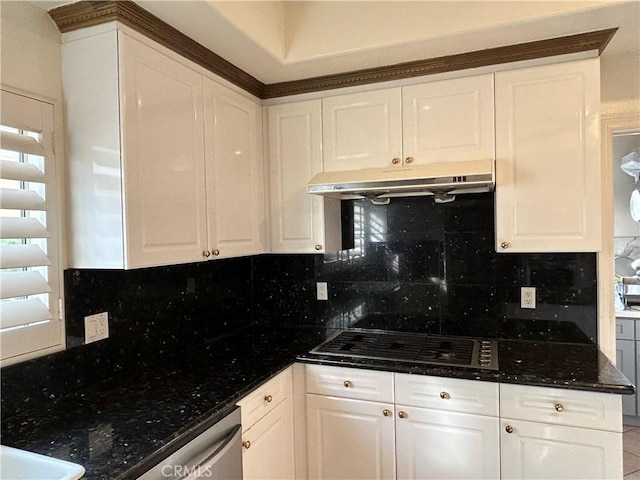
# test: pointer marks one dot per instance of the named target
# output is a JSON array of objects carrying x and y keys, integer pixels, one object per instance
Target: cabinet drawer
[
  {"x": 451, "y": 394},
  {"x": 350, "y": 383},
  {"x": 265, "y": 398},
  {"x": 594, "y": 410},
  {"x": 625, "y": 328}
]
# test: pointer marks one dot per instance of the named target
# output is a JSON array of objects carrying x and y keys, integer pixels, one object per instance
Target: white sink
[{"x": 18, "y": 464}]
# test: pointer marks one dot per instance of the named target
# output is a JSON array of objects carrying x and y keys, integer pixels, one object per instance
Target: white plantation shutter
[{"x": 30, "y": 323}]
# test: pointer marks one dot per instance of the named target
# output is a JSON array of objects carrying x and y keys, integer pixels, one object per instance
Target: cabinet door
[
  {"x": 548, "y": 158},
  {"x": 235, "y": 174},
  {"x": 626, "y": 362},
  {"x": 637, "y": 376},
  {"x": 349, "y": 439},
  {"x": 268, "y": 451},
  {"x": 295, "y": 156},
  {"x": 433, "y": 444},
  {"x": 544, "y": 451},
  {"x": 163, "y": 157},
  {"x": 451, "y": 120},
  {"x": 362, "y": 130}
]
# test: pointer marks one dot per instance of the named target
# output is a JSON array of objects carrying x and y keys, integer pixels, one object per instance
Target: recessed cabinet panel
[
  {"x": 451, "y": 120},
  {"x": 163, "y": 139},
  {"x": 593, "y": 410},
  {"x": 295, "y": 156},
  {"x": 234, "y": 172},
  {"x": 432, "y": 444},
  {"x": 350, "y": 439},
  {"x": 268, "y": 446},
  {"x": 362, "y": 130},
  {"x": 548, "y": 158},
  {"x": 543, "y": 451},
  {"x": 452, "y": 394}
]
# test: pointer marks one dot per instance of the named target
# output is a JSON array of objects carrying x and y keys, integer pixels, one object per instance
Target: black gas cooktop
[{"x": 412, "y": 347}]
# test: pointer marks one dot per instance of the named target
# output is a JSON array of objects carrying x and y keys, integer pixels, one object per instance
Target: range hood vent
[{"x": 444, "y": 180}]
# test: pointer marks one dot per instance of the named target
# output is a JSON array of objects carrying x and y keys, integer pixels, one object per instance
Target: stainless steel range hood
[{"x": 444, "y": 180}]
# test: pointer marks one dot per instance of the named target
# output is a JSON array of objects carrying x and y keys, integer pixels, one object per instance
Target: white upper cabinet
[
  {"x": 140, "y": 131},
  {"x": 449, "y": 120},
  {"x": 362, "y": 130},
  {"x": 235, "y": 190},
  {"x": 548, "y": 158},
  {"x": 300, "y": 223},
  {"x": 135, "y": 154}
]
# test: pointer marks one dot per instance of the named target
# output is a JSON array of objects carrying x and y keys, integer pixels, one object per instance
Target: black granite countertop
[{"x": 120, "y": 428}]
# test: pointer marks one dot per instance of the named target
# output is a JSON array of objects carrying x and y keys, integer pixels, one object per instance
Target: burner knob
[
  {"x": 347, "y": 384},
  {"x": 445, "y": 395}
]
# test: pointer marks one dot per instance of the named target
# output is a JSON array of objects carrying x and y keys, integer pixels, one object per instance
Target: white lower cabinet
[
  {"x": 267, "y": 430},
  {"x": 442, "y": 428},
  {"x": 550, "y": 433},
  {"x": 268, "y": 446},
  {"x": 349, "y": 439},
  {"x": 431, "y": 444},
  {"x": 545, "y": 451}
]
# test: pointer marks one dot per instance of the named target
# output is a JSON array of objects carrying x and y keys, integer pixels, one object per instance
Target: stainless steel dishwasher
[{"x": 215, "y": 454}]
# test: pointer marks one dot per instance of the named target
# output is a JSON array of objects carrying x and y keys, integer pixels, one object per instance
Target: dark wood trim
[
  {"x": 480, "y": 58},
  {"x": 87, "y": 13}
]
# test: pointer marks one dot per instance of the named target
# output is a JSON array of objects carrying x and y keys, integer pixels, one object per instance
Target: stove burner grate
[{"x": 411, "y": 347}]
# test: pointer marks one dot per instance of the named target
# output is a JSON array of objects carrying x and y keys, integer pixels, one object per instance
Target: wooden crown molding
[
  {"x": 88, "y": 13},
  {"x": 480, "y": 58}
]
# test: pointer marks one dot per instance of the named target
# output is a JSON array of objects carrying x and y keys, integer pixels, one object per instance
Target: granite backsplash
[{"x": 416, "y": 266}]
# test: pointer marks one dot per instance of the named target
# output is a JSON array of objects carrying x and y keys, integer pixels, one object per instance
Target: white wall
[
  {"x": 29, "y": 50},
  {"x": 620, "y": 82}
]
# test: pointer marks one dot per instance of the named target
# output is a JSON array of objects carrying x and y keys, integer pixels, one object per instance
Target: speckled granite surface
[{"x": 120, "y": 428}]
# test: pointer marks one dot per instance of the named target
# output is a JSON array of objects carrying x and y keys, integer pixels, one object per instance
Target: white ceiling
[{"x": 286, "y": 40}]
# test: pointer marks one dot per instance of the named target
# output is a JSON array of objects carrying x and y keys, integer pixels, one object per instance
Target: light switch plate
[{"x": 96, "y": 327}]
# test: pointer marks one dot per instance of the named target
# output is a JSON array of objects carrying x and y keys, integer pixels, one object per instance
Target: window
[{"x": 30, "y": 319}]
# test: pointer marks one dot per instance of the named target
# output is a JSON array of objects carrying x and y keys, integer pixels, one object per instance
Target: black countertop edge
[
  {"x": 466, "y": 374},
  {"x": 149, "y": 416}
]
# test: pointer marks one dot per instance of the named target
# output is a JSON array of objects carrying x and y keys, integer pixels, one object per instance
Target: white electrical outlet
[
  {"x": 96, "y": 327},
  {"x": 322, "y": 292},
  {"x": 528, "y": 297}
]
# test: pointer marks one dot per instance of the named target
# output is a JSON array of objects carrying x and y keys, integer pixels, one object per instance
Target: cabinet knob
[
  {"x": 559, "y": 407},
  {"x": 445, "y": 395},
  {"x": 318, "y": 247},
  {"x": 395, "y": 161},
  {"x": 508, "y": 429},
  {"x": 268, "y": 398},
  {"x": 216, "y": 252},
  {"x": 386, "y": 412},
  {"x": 403, "y": 414},
  {"x": 246, "y": 444},
  {"x": 504, "y": 245},
  {"x": 206, "y": 254},
  {"x": 348, "y": 384},
  {"x": 408, "y": 160}
]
